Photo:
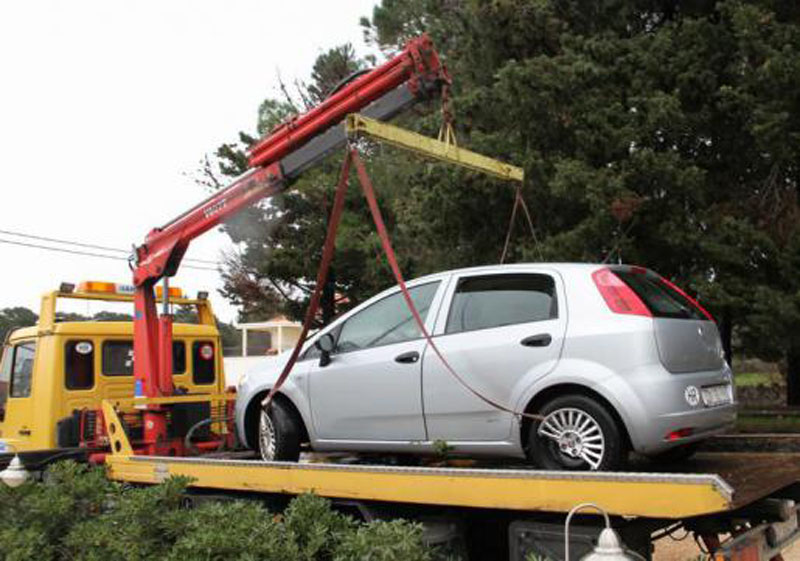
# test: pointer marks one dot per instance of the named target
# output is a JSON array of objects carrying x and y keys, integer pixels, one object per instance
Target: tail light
[
  {"x": 619, "y": 297},
  {"x": 679, "y": 434}
]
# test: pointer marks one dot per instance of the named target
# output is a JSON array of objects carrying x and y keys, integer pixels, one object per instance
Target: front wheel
[
  {"x": 577, "y": 433},
  {"x": 278, "y": 434}
]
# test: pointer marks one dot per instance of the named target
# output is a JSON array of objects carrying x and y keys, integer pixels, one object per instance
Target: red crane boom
[{"x": 275, "y": 161}]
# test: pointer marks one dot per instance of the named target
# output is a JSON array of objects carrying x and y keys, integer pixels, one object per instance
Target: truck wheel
[
  {"x": 278, "y": 434},
  {"x": 577, "y": 433}
]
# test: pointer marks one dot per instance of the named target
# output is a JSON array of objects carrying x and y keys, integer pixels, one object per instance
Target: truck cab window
[
  {"x": 178, "y": 357},
  {"x": 5, "y": 378},
  {"x": 203, "y": 359},
  {"x": 79, "y": 365},
  {"x": 118, "y": 358},
  {"x": 22, "y": 369}
]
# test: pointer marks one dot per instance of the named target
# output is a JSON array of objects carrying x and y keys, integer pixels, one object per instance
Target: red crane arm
[{"x": 288, "y": 150}]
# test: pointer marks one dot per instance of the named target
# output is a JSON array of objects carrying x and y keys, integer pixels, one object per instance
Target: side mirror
[{"x": 325, "y": 344}]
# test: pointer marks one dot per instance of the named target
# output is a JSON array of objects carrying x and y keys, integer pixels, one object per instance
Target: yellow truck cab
[{"x": 52, "y": 374}]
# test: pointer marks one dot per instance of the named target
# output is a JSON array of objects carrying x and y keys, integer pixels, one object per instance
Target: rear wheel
[
  {"x": 279, "y": 433},
  {"x": 577, "y": 433}
]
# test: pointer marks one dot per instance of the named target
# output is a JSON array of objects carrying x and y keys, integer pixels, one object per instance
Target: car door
[
  {"x": 371, "y": 389},
  {"x": 500, "y": 332}
]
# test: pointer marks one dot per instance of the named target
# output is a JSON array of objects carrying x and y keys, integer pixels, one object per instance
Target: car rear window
[{"x": 661, "y": 299}]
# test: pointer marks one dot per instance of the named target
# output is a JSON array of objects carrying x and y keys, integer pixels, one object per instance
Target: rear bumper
[
  {"x": 667, "y": 409},
  {"x": 704, "y": 424}
]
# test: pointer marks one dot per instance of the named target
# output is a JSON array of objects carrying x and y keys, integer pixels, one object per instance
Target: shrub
[{"x": 77, "y": 514}]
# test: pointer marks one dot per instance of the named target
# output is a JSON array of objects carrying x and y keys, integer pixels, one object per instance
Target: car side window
[
  {"x": 313, "y": 352},
  {"x": 387, "y": 321},
  {"x": 22, "y": 369},
  {"x": 496, "y": 300}
]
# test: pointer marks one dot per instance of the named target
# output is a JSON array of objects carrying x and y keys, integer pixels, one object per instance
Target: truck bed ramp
[{"x": 711, "y": 483}]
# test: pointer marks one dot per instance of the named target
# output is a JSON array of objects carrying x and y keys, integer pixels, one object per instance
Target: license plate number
[{"x": 714, "y": 396}]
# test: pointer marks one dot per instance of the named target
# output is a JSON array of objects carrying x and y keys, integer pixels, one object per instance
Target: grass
[
  {"x": 768, "y": 423},
  {"x": 750, "y": 379}
]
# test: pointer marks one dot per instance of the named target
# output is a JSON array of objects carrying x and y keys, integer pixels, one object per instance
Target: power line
[
  {"x": 88, "y": 254},
  {"x": 89, "y": 246}
]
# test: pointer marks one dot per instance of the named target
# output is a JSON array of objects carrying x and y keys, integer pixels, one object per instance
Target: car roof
[{"x": 561, "y": 267}]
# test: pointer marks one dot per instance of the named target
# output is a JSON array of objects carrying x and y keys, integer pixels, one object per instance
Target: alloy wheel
[
  {"x": 266, "y": 437},
  {"x": 576, "y": 437}
]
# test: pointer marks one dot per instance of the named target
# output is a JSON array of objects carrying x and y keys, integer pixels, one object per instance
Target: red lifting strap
[{"x": 327, "y": 256}]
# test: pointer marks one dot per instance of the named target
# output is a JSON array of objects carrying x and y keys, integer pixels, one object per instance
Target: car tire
[
  {"x": 588, "y": 436},
  {"x": 675, "y": 455},
  {"x": 279, "y": 433}
]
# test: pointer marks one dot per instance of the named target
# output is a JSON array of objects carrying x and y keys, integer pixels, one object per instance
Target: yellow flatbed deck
[{"x": 708, "y": 484}]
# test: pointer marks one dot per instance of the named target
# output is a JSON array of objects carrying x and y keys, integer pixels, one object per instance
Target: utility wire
[
  {"x": 88, "y": 254},
  {"x": 89, "y": 246}
]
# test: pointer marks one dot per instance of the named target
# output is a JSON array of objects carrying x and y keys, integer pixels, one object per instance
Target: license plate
[
  {"x": 714, "y": 396},
  {"x": 3, "y": 447}
]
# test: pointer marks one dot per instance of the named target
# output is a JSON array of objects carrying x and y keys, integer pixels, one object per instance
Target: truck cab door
[{"x": 16, "y": 396}]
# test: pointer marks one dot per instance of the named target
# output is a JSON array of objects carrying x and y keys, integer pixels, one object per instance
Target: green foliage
[
  {"x": 663, "y": 133},
  {"x": 315, "y": 528},
  {"x": 77, "y": 514},
  {"x": 36, "y": 517},
  {"x": 383, "y": 541},
  {"x": 442, "y": 449},
  {"x": 274, "y": 272},
  {"x": 14, "y": 318}
]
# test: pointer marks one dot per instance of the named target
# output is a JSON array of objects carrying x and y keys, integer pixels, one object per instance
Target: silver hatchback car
[{"x": 611, "y": 359}]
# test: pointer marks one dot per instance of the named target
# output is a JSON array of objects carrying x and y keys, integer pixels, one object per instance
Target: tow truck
[
  {"x": 55, "y": 375},
  {"x": 741, "y": 506}
]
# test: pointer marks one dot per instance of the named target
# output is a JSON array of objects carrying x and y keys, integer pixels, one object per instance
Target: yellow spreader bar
[{"x": 358, "y": 125}]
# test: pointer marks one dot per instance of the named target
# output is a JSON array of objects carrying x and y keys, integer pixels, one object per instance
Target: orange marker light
[
  {"x": 174, "y": 292},
  {"x": 97, "y": 287}
]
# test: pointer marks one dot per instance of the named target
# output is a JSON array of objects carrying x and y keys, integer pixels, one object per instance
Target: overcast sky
[{"x": 105, "y": 106}]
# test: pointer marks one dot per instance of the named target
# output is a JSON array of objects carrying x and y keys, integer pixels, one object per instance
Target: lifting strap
[
  {"x": 383, "y": 234},
  {"x": 519, "y": 201}
]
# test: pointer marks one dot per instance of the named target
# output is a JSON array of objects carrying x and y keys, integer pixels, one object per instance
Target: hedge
[{"x": 76, "y": 513}]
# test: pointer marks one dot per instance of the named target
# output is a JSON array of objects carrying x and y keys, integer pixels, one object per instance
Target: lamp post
[
  {"x": 15, "y": 473},
  {"x": 609, "y": 546}
]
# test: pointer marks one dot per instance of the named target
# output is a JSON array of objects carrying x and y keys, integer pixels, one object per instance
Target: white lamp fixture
[
  {"x": 15, "y": 474},
  {"x": 609, "y": 546}
]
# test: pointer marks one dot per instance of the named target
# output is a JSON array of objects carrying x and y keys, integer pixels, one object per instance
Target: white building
[{"x": 283, "y": 336}]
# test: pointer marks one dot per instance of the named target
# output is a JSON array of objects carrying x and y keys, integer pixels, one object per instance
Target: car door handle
[
  {"x": 540, "y": 340},
  {"x": 407, "y": 358}
]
